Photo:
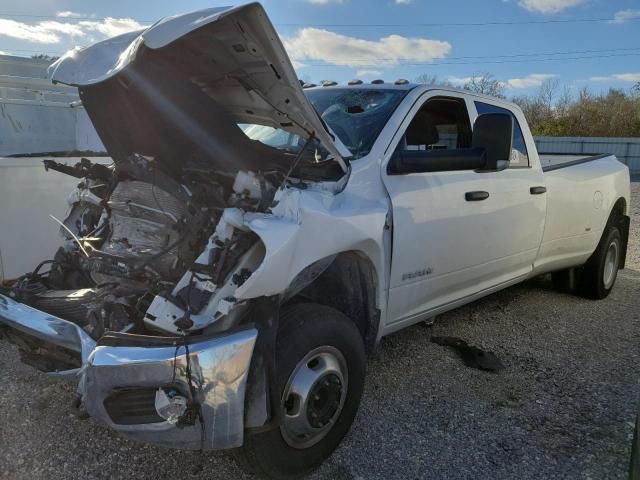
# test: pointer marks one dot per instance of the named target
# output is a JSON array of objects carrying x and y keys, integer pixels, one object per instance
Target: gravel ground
[{"x": 563, "y": 408}]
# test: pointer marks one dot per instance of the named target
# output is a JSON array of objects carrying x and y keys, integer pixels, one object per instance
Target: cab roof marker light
[
  {"x": 377, "y": 82},
  {"x": 355, "y": 82}
]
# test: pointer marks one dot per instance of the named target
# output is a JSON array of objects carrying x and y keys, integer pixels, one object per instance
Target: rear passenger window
[{"x": 519, "y": 154}]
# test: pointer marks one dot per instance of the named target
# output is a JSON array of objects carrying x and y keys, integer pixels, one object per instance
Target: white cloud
[
  {"x": 403, "y": 2},
  {"x": 628, "y": 77},
  {"x": 369, "y": 73},
  {"x": 625, "y": 15},
  {"x": 22, "y": 31},
  {"x": 459, "y": 80},
  {"x": 323, "y": 2},
  {"x": 71, "y": 29},
  {"x": 623, "y": 77},
  {"x": 337, "y": 49},
  {"x": 297, "y": 65},
  {"x": 50, "y": 32},
  {"x": 549, "y": 6},
  {"x": 70, "y": 14},
  {"x": 110, "y": 27},
  {"x": 533, "y": 80}
]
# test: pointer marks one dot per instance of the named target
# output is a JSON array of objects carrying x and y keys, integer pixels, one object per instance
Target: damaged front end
[
  {"x": 182, "y": 393},
  {"x": 150, "y": 302},
  {"x": 129, "y": 306}
]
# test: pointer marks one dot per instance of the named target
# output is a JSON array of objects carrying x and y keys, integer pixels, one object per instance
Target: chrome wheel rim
[
  {"x": 314, "y": 397},
  {"x": 610, "y": 265}
]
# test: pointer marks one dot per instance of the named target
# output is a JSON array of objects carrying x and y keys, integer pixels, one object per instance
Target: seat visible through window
[{"x": 442, "y": 123}]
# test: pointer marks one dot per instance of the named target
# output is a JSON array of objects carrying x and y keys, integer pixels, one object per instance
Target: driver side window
[
  {"x": 441, "y": 124},
  {"x": 437, "y": 139}
]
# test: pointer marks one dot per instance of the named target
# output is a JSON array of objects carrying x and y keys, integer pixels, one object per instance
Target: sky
[{"x": 581, "y": 43}]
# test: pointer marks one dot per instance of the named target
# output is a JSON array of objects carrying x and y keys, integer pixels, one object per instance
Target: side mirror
[
  {"x": 423, "y": 161},
  {"x": 493, "y": 133}
]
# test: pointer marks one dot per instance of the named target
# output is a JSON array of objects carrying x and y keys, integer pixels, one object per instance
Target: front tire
[
  {"x": 321, "y": 364},
  {"x": 601, "y": 270}
]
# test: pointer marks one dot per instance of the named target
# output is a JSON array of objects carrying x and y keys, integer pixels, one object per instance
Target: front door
[{"x": 456, "y": 233}]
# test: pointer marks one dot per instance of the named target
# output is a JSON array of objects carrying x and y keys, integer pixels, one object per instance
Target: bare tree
[
  {"x": 486, "y": 84},
  {"x": 564, "y": 102},
  {"x": 547, "y": 93},
  {"x": 612, "y": 114},
  {"x": 431, "y": 79},
  {"x": 556, "y": 111},
  {"x": 44, "y": 56}
]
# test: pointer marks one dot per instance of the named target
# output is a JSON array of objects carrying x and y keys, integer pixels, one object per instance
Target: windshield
[
  {"x": 283, "y": 140},
  {"x": 356, "y": 115}
]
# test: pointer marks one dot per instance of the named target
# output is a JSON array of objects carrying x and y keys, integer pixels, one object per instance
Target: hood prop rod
[{"x": 297, "y": 159}]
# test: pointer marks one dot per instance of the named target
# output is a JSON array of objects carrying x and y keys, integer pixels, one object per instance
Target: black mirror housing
[
  {"x": 493, "y": 132},
  {"x": 424, "y": 161}
]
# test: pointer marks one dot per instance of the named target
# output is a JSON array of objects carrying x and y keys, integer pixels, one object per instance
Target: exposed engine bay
[{"x": 145, "y": 251}]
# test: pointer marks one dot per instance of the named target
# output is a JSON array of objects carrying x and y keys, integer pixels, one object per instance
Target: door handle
[
  {"x": 476, "y": 196},
  {"x": 537, "y": 190}
]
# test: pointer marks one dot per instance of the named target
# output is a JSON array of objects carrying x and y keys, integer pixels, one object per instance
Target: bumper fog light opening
[{"x": 170, "y": 405}]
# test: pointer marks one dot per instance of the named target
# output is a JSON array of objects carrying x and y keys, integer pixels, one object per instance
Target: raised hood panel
[{"x": 178, "y": 89}]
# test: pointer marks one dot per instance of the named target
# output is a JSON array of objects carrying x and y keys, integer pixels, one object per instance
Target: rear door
[{"x": 447, "y": 247}]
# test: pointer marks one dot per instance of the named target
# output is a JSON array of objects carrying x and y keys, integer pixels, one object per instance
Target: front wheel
[
  {"x": 601, "y": 270},
  {"x": 320, "y": 363}
]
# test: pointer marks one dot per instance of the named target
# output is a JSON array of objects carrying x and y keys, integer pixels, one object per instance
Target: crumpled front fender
[{"x": 306, "y": 227}]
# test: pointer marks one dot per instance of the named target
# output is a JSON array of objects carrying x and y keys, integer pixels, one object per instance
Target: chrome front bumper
[
  {"x": 45, "y": 327},
  {"x": 219, "y": 367}
]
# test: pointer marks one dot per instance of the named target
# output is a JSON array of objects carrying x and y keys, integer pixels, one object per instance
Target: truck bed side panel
[
  {"x": 580, "y": 197},
  {"x": 554, "y": 161}
]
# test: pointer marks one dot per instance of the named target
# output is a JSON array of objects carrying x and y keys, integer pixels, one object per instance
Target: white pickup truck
[{"x": 220, "y": 285}]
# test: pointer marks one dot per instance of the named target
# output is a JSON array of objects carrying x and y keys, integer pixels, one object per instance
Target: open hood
[{"x": 179, "y": 89}]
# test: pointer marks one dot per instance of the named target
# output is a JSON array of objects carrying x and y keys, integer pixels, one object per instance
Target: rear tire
[
  {"x": 321, "y": 364},
  {"x": 598, "y": 276}
]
